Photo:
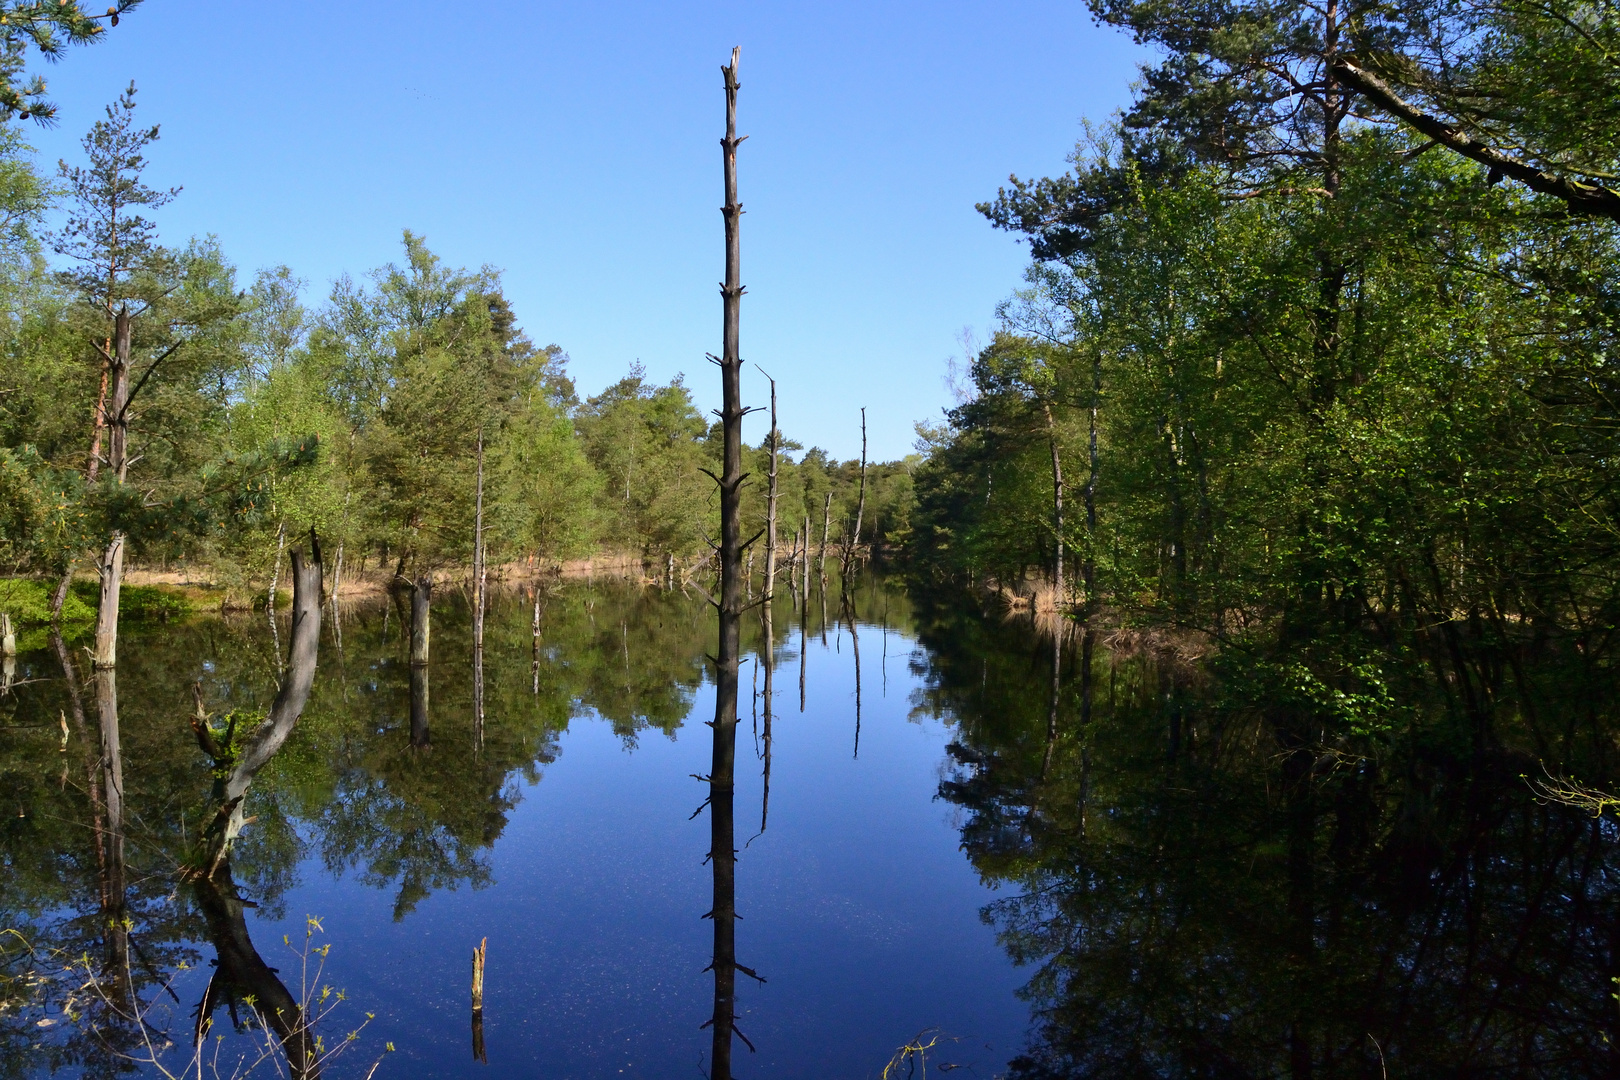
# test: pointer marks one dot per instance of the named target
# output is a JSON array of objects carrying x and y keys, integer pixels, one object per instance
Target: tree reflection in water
[{"x": 1202, "y": 892}]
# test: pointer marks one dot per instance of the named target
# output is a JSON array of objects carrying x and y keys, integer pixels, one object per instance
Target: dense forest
[
  {"x": 1315, "y": 358},
  {"x": 149, "y": 395}
]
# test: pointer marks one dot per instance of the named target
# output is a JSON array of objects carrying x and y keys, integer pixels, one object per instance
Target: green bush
[
  {"x": 138, "y": 603},
  {"x": 28, "y": 601}
]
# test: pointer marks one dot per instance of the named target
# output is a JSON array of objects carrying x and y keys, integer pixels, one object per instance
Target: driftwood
[{"x": 244, "y": 763}]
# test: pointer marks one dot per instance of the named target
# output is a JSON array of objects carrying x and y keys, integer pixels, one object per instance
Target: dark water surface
[{"x": 1061, "y": 859}]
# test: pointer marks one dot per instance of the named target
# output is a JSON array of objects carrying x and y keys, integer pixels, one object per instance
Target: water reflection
[
  {"x": 1194, "y": 890},
  {"x": 1200, "y": 893},
  {"x": 243, "y": 983}
]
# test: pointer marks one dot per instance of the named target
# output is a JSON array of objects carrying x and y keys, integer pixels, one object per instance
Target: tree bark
[{"x": 298, "y": 676}]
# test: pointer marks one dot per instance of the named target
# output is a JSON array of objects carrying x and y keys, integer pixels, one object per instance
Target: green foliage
[
  {"x": 1350, "y": 403},
  {"x": 28, "y": 602},
  {"x": 47, "y": 28}
]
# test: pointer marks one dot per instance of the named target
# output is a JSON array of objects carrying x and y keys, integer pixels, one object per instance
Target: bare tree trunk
[
  {"x": 421, "y": 600},
  {"x": 231, "y": 788},
  {"x": 1088, "y": 569},
  {"x": 112, "y": 559},
  {"x": 480, "y": 570},
  {"x": 722, "y": 853},
  {"x": 1057, "y": 507},
  {"x": 337, "y": 577},
  {"x": 826, "y": 527},
  {"x": 480, "y": 591},
  {"x": 59, "y": 594},
  {"x": 275, "y": 570},
  {"x": 860, "y": 503},
  {"x": 770, "y": 504}
]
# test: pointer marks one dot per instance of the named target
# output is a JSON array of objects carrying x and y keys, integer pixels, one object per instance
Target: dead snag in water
[
  {"x": 479, "y": 1053},
  {"x": 298, "y": 676}
]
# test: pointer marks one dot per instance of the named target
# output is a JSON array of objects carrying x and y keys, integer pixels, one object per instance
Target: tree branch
[{"x": 1589, "y": 199}]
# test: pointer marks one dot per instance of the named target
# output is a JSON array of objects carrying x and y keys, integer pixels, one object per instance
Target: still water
[{"x": 1050, "y": 853}]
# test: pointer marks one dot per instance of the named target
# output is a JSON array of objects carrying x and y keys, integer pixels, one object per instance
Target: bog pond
[{"x": 1037, "y": 853}]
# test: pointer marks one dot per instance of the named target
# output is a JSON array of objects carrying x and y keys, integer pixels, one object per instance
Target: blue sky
[{"x": 575, "y": 147}]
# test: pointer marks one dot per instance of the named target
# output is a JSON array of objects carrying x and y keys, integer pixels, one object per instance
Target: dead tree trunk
[
  {"x": 1088, "y": 569},
  {"x": 230, "y": 790},
  {"x": 480, "y": 595},
  {"x": 722, "y": 853},
  {"x": 860, "y": 503},
  {"x": 275, "y": 568},
  {"x": 421, "y": 599},
  {"x": 826, "y": 529},
  {"x": 480, "y": 570},
  {"x": 1057, "y": 506},
  {"x": 111, "y": 567},
  {"x": 770, "y": 504}
]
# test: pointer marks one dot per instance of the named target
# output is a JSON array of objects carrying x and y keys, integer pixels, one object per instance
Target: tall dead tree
[
  {"x": 480, "y": 588},
  {"x": 722, "y": 853},
  {"x": 1088, "y": 568},
  {"x": 1057, "y": 506},
  {"x": 826, "y": 528},
  {"x": 111, "y": 566},
  {"x": 770, "y": 502},
  {"x": 860, "y": 505}
]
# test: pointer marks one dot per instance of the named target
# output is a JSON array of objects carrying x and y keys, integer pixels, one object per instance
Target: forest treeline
[
  {"x": 236, "y": 418},
  {"x": 1316, "y": 356}
]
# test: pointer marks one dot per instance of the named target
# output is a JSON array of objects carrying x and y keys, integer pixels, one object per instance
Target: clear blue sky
[{"x": 575, "y": 147}]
